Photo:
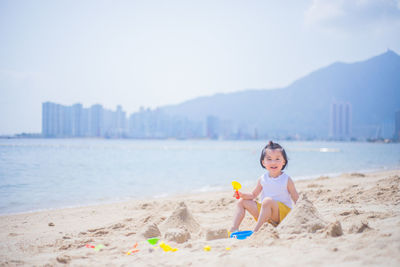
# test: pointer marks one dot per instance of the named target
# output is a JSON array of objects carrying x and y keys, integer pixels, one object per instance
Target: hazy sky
[{"x": 154, "y": 53}]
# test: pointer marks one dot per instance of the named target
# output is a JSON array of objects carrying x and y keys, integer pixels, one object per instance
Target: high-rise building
[
  {"x": 96, "y": 120},
  {"x": 76, "y": 121},
  {"x": 397, "y": 126},
  {"x": 340, "y": 121},
  {"x": 120, "y": 118},
  {"x": 66, "y": 121},
  {"x": 51, "y": 119},
  {"x": 85, "y": 122},
  {"x": 46, "y": 131},
  {"x": 120, "y": 122},
  {"x": 213, "y": 127}
]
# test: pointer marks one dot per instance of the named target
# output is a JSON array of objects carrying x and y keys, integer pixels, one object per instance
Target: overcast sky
[{"x": 154, "y": 53}]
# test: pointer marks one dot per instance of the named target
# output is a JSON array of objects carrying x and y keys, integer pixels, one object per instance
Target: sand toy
[{"x": 236, "y": 186}]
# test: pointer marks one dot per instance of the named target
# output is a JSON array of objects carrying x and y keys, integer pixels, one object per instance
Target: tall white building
[
  {"x": 340, "y": 121},
  {"x": 52, "y": 119},
  {"x": 96, "y": 120},
  {"x": 76, "y": 124}
]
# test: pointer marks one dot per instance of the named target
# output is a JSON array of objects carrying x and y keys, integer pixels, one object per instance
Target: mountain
[{"x": 372, "y": 87}]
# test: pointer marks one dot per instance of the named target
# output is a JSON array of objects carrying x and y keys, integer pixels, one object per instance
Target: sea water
[{"x": 37, "y": 174}]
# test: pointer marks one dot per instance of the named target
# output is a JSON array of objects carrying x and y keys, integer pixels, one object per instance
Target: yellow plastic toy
[
  {"x": 207, "y": 248},
  {"x": 167, "y": 248},
  {"x": 236, "y": 186}
]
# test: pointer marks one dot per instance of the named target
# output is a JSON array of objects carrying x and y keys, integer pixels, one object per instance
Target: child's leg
[
  {"x": 242, "y": 206},
  {"x": 269, "y": 210}
]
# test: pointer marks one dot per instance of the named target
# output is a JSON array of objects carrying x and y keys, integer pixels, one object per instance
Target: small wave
[
  {"x": 8, "y": 186},
  {"x": 208, "y": 188},
  {"x": 163, "y": 195},
  {"x": 325, "y": 149},
  {"x": 321, "y": 149}
]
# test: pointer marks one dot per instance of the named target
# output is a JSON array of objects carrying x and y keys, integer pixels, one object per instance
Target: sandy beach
[{"x": 352, "y": 219}]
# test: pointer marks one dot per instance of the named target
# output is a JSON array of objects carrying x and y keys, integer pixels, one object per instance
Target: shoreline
[
  {"x": 351, "y": 219},
  {"x": 195, "y": 192},
  {"x": 337, "y": 174}
]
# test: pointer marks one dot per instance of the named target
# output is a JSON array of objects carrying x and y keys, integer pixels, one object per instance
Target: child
[{"x": 276, "y": 187}]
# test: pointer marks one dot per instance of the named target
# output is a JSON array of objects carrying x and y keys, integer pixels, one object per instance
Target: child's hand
[{"x": 237, "y": 194}]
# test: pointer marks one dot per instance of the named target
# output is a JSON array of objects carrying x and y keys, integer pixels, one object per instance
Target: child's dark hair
[{"x": 271, "y": 145}]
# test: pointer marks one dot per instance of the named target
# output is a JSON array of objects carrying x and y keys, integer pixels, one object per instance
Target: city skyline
[
  {"x": 154, "y": 54},
  {"x": 76, "y": 121},
  {"x": 60, "y": 121}
]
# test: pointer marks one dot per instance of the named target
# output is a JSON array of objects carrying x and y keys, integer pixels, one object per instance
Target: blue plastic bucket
[{"x": 241, "y": 234}]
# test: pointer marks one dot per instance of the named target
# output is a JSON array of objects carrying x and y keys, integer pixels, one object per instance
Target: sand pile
[
  {"x": 178, "y": 235},
  {"x": 176, "y": 228},
  {"x": 304, "y": 218},
  {"x": 182, "y": 218},
  {"x": 334, "y": 229},
  {"x": 150, "y": 231},
  {"x": 265, "y": 236}
]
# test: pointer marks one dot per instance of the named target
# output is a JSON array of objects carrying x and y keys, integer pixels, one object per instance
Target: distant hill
[{"x": 371, "y": 86}]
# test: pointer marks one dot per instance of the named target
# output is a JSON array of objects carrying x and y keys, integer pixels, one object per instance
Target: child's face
[{"x": 273, "y": 160}]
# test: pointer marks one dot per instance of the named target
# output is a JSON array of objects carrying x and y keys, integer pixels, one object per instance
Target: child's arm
[
  {"x": 252, "y": 195},
  {"x": 292, "y": 190}
]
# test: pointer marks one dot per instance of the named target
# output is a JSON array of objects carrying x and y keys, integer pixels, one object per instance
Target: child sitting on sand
[{"x": 276, "y": 187}]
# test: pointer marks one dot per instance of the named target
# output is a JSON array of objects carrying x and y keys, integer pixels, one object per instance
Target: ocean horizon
[{"x": 42, "y": 174}]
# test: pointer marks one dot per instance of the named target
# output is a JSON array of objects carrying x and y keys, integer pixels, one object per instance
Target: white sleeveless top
[{"x": 276, "y": 188}]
